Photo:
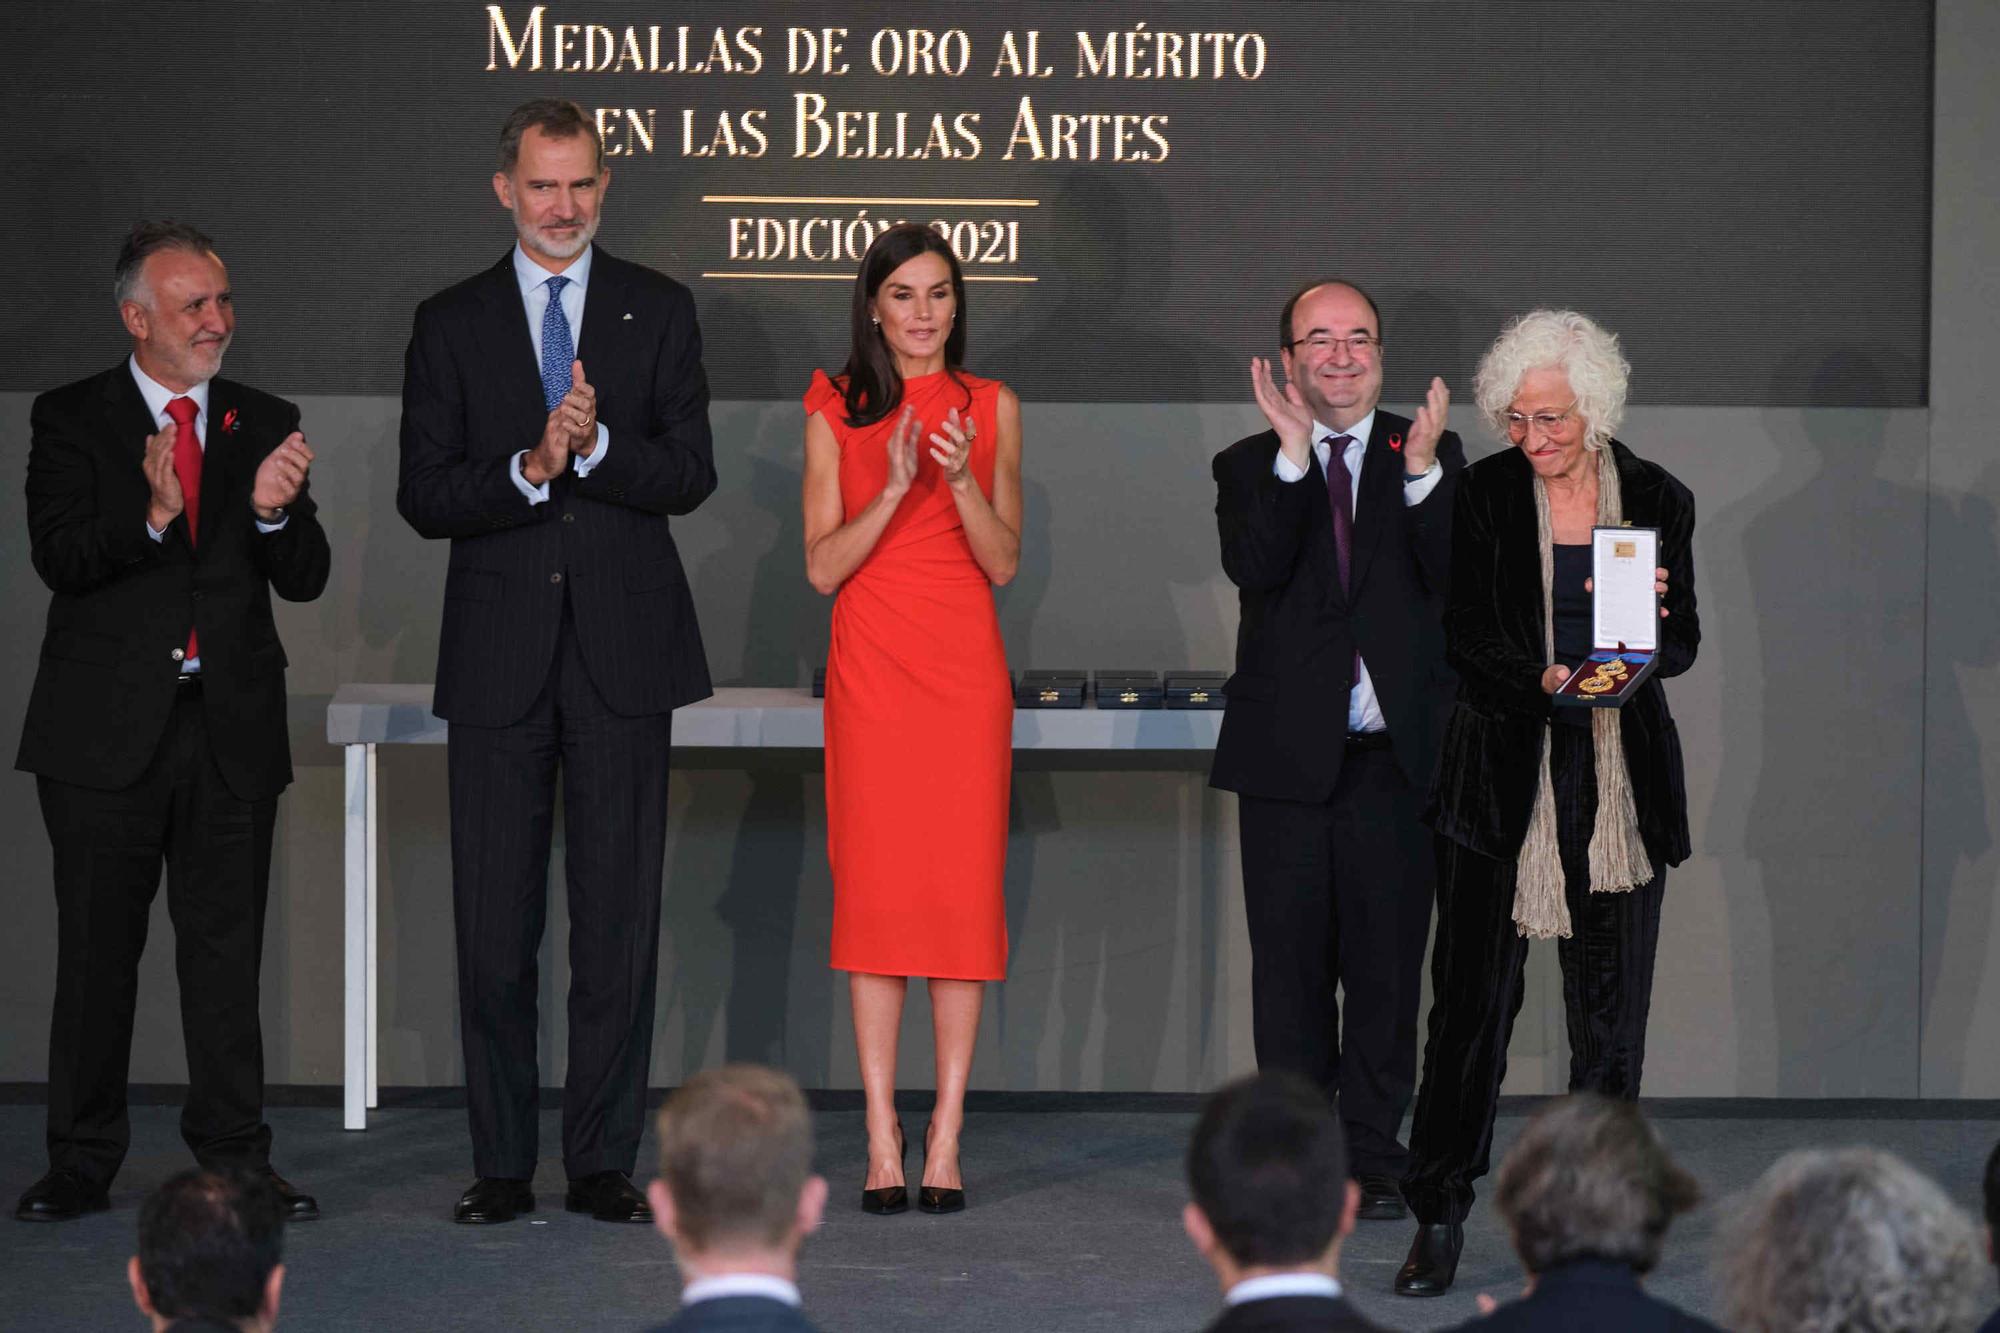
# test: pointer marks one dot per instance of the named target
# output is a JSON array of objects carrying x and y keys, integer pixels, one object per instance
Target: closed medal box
[
  {"x": 1127, "y": 689},
  {"x": 1196, "y": 689},
  {"x": 819, "y": 682},
  {"x": 1050, "y": 689}
]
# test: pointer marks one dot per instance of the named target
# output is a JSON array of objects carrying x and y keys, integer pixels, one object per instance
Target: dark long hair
[{"x": 872, "y": 384}]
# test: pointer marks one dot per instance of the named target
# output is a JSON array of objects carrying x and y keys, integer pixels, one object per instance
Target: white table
[{"x": 363, "y": 717}]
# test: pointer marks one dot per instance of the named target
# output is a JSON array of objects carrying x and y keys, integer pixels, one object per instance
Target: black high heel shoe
[
  {"x": 936, "y": 1198},
  {"x": 890, "y": 1198}
]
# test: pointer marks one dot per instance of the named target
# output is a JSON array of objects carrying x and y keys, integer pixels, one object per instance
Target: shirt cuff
[
  {"x": 159, "y": 536},
  {"x": 267, "y": 528},
  {"x": 1417, "y": 489},
  {"x": 534, "y": 495},
  {"x": 585, "y": 464},
  {"x": 1286, "y": 469}
]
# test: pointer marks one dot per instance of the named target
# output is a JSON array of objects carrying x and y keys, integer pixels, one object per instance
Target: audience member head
[
  {"x": 174, "y": 299},
  {"x": 1851, "y": 1240},
  {"x": 1588, "y": 1179},
  {"x": 210, "y": 1248},
  {"x": 1267, "y": 1170},
  {"x": 736, "y": 1192}
]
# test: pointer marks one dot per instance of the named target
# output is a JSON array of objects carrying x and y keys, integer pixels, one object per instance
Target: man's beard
[{"x": 537, "y": 239}]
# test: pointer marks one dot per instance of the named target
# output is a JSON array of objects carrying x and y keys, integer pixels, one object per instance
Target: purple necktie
[{"x": 1340, "y": 494}]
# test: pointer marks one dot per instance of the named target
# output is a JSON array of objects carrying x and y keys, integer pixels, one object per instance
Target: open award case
[{"x": 1624, "y": 618}]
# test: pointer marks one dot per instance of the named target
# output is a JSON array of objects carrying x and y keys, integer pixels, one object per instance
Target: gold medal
[
  {"x": 1611, "y": 670},
  {"x": 1598, "y": 684}
]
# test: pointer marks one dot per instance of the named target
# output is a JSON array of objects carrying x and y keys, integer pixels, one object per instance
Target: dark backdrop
[{"x": 1719, "y": 182}]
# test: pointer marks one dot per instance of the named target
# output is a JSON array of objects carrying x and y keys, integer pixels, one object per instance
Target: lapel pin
[
  {"x": 1396, "y": 443},
  {"x": 229, "y": 422},
  {"x": 628, "y": 314}
]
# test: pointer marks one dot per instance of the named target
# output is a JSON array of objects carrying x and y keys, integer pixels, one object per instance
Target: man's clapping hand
[{"x": 280, "y": 477}]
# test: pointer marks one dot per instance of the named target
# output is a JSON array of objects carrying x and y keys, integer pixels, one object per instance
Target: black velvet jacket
[{"x": 1488, "y": 768}]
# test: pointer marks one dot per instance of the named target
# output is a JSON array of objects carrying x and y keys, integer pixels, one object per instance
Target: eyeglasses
[
  {"x": 1361, "y": 344},
  {"x": 1548, "y": 423}
]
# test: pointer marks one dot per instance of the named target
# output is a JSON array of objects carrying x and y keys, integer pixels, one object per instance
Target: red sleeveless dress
[{"x": 919, "y": 712}]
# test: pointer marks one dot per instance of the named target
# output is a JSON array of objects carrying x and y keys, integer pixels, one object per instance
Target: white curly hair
[
  {"x": 1563, "y": 340},
  {"x": 1849, "y": 1241}
]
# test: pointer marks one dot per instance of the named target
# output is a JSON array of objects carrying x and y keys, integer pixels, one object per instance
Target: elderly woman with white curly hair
[
  {"x": 1550, "y": 822},
  {"x": 1851, "y": 1240}
]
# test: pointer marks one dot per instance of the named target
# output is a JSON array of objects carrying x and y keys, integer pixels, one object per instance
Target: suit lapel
[
  {"x": 1381, "y": 490},
  {"x": 504, "y": 340},
  {"x": 125, "y": 408},
  {"x": 1320, "y": 539},
  {"x": 603, "y": 311},
  {"x": 220, "y": 453}
]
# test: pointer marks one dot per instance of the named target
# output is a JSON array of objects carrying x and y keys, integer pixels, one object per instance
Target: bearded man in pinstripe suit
[{"x": 555, "y": 417}]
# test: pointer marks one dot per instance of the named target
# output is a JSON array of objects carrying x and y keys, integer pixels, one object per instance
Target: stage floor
[{"x": 1074, "y": 1223}]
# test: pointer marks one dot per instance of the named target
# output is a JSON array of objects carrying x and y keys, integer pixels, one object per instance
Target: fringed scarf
[{"x": 1618, "y": 861}]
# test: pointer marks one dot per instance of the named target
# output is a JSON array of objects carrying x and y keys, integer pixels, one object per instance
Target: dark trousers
[
  {"x": 503, "y": 787},
  {"x": 1338, "y": 901},
  {"x": 108, "y": 849},
  {"x": 1476, "y": 970}
]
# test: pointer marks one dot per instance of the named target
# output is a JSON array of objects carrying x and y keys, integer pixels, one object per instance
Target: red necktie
[{"x": 187, "y": 466}]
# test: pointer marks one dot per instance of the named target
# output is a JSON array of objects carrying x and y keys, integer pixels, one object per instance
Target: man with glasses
[{"x": 1335, "y": 528}]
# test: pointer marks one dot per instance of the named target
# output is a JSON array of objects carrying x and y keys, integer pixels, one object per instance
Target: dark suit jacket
[
  {"x": 1489, "y": 766},
  {"x": 1293, "y": 1314},
  {"x": 1588, "y": 1296},
  {"x": 123, "y": 602},
  {"x": 1992, "y": 1324},
  {"x": 1285, "y": 725},
  {"x": 735, "y": 1314},
  {"x": 472, "y": 399}
]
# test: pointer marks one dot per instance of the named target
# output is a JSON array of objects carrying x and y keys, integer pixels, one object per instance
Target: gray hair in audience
[
  {"x": 1849, "y": 1241},
  {"x": 1589, "y": 1179},
  {"x": 1584, "y": 350}
]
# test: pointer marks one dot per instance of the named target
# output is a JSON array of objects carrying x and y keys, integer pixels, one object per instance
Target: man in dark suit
[
  {"x": 1991, "y": 1195},
  {"x": 1271, "y": 1204},
  {"x": 165, "y": 506},
  {"x": 211, "y": 1254},
  {"x": 1335, "y": 530},
  {"x": 736, "y": 1198},
  {"x": 569, "y": 638}
]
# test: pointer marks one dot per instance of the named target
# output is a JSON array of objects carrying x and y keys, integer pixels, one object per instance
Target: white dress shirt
[
  {"x": 1364, "y": 710},
  {"x": 534, "y": 280},
  {"x": 157, "y": 396},
  {"x": 1273, "y": 1285},
  {"x": 741, "y": 1284}
]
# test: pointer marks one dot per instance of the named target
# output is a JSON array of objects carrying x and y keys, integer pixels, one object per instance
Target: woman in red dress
[{"x": 912, "y": 516}]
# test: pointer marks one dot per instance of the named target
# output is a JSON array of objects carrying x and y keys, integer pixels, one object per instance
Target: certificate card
[{"x": 1626, "y": 610}]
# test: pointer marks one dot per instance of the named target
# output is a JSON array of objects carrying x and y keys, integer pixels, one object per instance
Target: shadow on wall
[
  {"x": 1100, "y": 291},
  {"x": 1963, "y": 637},
  {"x": 1093, "y": 969},
  {"x": 1822, "y": 790}
]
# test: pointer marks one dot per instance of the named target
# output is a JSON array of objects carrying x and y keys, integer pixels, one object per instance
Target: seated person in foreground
[
  {"x": 1271, "y": 1203},
  {"x": 736, "y": 1197},
  {"x": 210, "y": 1253},
  {"x": 1588, "y": 1192},
  {"x": 1852, "y": 1239}
]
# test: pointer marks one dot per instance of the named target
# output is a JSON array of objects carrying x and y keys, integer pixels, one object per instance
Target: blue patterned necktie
[{"x": 558, "y": 352}]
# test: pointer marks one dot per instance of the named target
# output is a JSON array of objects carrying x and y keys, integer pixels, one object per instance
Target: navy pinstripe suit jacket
[{"x": 472, "y": 399}]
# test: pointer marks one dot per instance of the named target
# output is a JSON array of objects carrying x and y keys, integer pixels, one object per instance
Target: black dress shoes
[
  {"x": 59, "y": 1196},
  {"x": 494, "y": 1199},
  {"x": 608, "y": 1196},
  {"x": 1432, "y": 1261},
  {"x": 1381, "y": 1200},
  {"x": 299, "y": 1206}
]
